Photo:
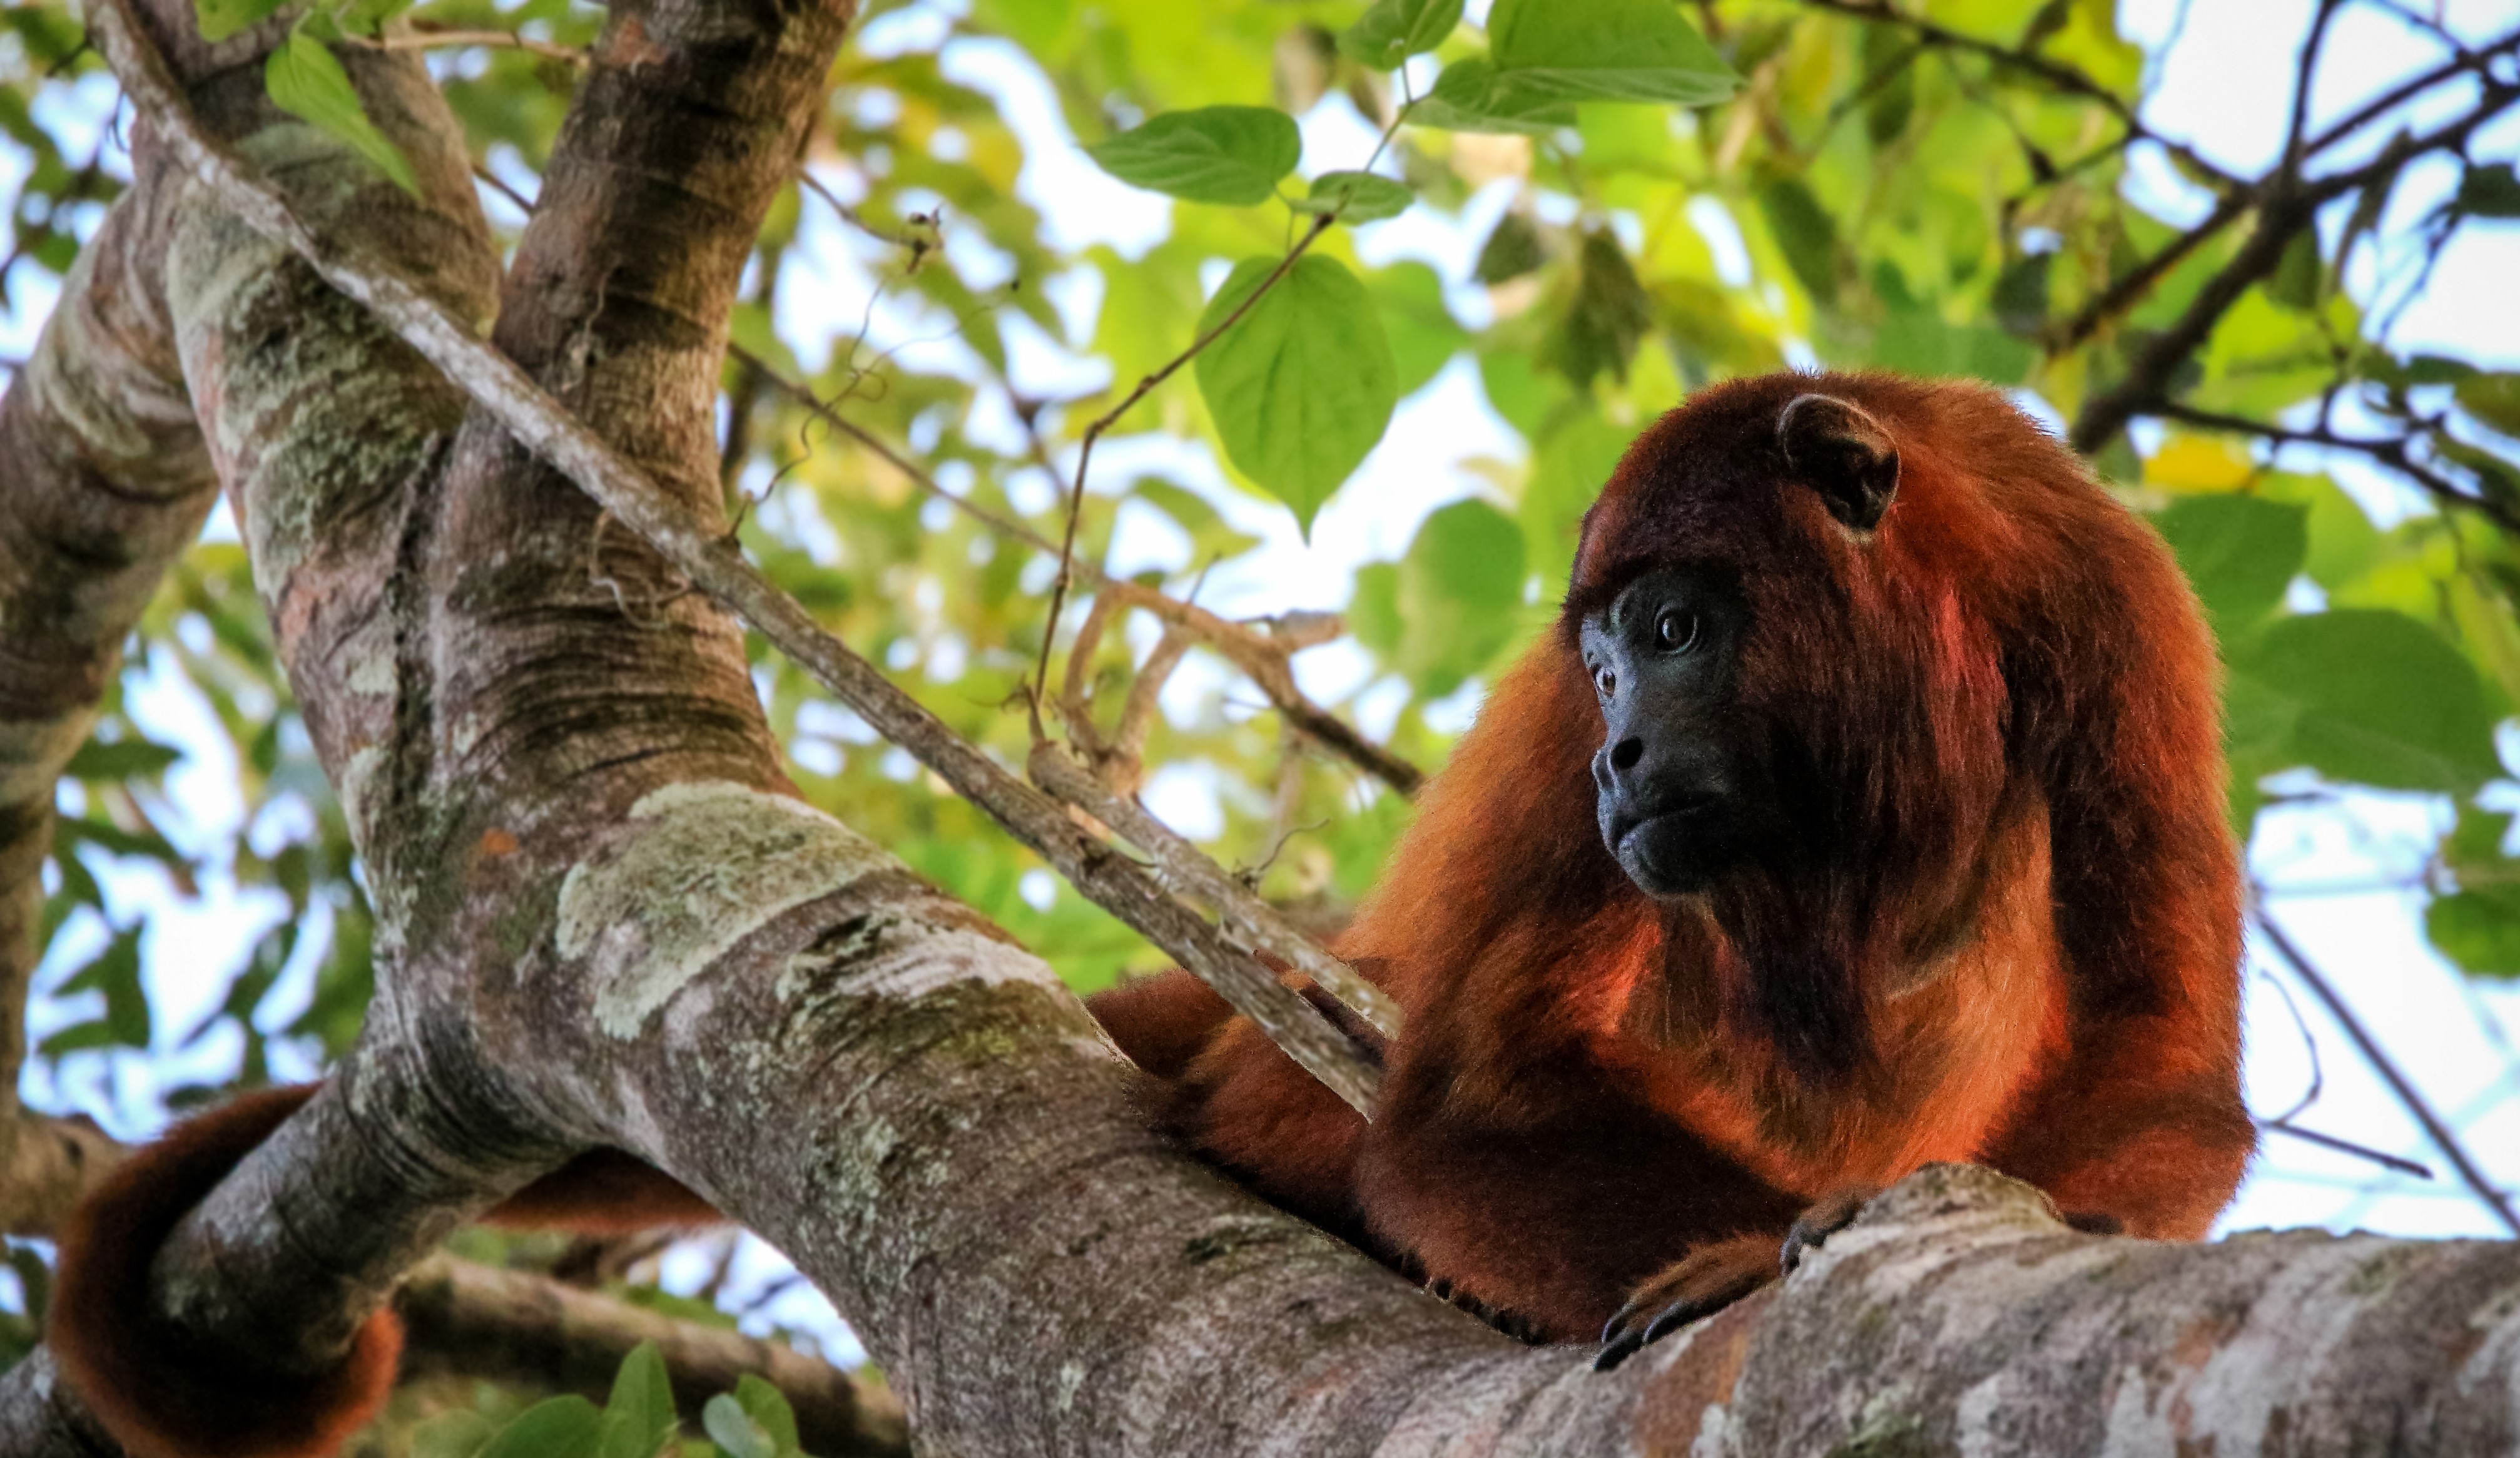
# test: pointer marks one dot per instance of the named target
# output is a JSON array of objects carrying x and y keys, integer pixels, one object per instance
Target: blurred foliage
[{"x": 1654, "y": 196}]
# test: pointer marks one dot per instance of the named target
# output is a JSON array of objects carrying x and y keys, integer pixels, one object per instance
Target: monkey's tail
[{"x": 160, "y": 1398}]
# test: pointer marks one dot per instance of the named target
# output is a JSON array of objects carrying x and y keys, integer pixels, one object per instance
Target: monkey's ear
[{"x": 1844, "y": 454}]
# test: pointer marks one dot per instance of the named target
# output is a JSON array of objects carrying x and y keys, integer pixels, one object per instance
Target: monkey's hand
[{"x": 1714, "y": 1276}]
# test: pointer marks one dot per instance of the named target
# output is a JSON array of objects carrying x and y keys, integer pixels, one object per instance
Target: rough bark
[{"x": 605, "y": 919}]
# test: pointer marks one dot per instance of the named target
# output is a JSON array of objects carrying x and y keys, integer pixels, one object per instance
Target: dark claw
[{"x": 1615, "y": 1352}]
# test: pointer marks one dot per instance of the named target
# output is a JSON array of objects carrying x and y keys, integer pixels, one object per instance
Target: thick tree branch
[{"x": 104, "y": 479}]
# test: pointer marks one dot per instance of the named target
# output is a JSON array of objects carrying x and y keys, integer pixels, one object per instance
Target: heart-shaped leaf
[{"x": 1303, "y": 384}]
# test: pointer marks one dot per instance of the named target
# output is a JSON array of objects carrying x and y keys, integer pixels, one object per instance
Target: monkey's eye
[
  {"x": 1676, "y": 631},
  {"x": 1604, "y": 682}
]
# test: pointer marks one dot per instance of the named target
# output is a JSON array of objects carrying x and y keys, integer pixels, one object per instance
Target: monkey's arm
[{"x": 2141, "y": 1121}]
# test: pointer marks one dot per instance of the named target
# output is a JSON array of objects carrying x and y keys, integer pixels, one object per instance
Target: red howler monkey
[{"x": 1864, "y": 808}]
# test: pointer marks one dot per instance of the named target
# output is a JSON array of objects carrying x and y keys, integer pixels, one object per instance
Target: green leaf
[
  {"x": 555, "y": 1428},
  {"x": 1357, "y": 197},
  {"x": 1226, "y": 154},
  {"x": 1392, "y": 30},
  {"x": 116, "y": 972},
  {"x": 1457, "y": 595},
  {"x": 2297, "y": 276},
  {"x": 120, "y": 759},
  {"x": 732, "y": 1430},
  {"x": 1471, "y": 97},
  {"x": 1604, "y": 50},
  {"x": 1803, "y": 232},
  {"x": 2363, "y": 696},
  {"x": 1423, "y": 333},
  {"x": 2494, "y": 399},
  {"x": 1301, "y": 386},
  {"x": 2488, "y": 191},
  {"x": 768, "y": 1408},
  {"x": 2478, "y": 926},
  {"x": 221, "y": 19},
  {"x": 368, "y": 17},
  {"x": 1605, "y": 320},
  {"x": 2239, "y": 553},
  {"x": 640, "y": 1416},
  {"x": 1512, "y": 249},
  {"x": 306, "y": 81}
]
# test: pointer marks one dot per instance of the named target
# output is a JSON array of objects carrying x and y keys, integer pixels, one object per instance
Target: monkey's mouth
[{"x": 1675, "y": 850}]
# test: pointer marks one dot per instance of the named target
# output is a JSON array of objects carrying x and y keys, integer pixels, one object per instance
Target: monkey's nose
[{"x": 1617, "y": 760}]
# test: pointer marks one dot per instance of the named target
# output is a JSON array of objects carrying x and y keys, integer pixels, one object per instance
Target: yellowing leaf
[{"x": 2198, "y": 463}]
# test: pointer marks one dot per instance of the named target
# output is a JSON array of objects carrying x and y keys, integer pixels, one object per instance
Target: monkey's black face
[{"x": 1669, "y": 791}]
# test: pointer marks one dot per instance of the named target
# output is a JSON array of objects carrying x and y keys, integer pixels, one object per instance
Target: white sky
[{"x": 2224, "y": 85}]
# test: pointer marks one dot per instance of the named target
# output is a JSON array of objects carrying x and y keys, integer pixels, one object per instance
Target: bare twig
[
  {"x": 716, "y": 564},
  {"x": 2372, "y": 1053},
  {"x": 2297, "y": 133},
  {"x": 2473, "y": 63},
  {"x": 918, "y": 245},
  {"x": 2381, "y": 1157}
]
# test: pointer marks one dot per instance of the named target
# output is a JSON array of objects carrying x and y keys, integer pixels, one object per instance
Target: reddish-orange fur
[
  {"x": 159, "y": 1402},
  {"x": 2019, "y": 947}
]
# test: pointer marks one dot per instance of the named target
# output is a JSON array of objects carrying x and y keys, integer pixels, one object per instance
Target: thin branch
[
  {"x": 716, "y": 564},
  {"x": 2372, "y": 1053},
  {"x": 919, "y": 247},
  {"x": 465, "y": 1319},
  {"x": 1260, "y": 657},
  {"x": 424, "y": 39},
  {"x": 2130, "y": 288},
  {"x": 2472, "y": 63},
  {"x": 2303, "y": 72},
  {"x": 2284, "y": 207},
  {"x": 2390, "y": 451},
  {"x": 2381, "y": 1157},
  {"x": 1188, "y": 872}
]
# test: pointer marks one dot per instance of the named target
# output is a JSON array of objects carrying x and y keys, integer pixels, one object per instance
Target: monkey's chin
[{"x": 1675, "y": 854}]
